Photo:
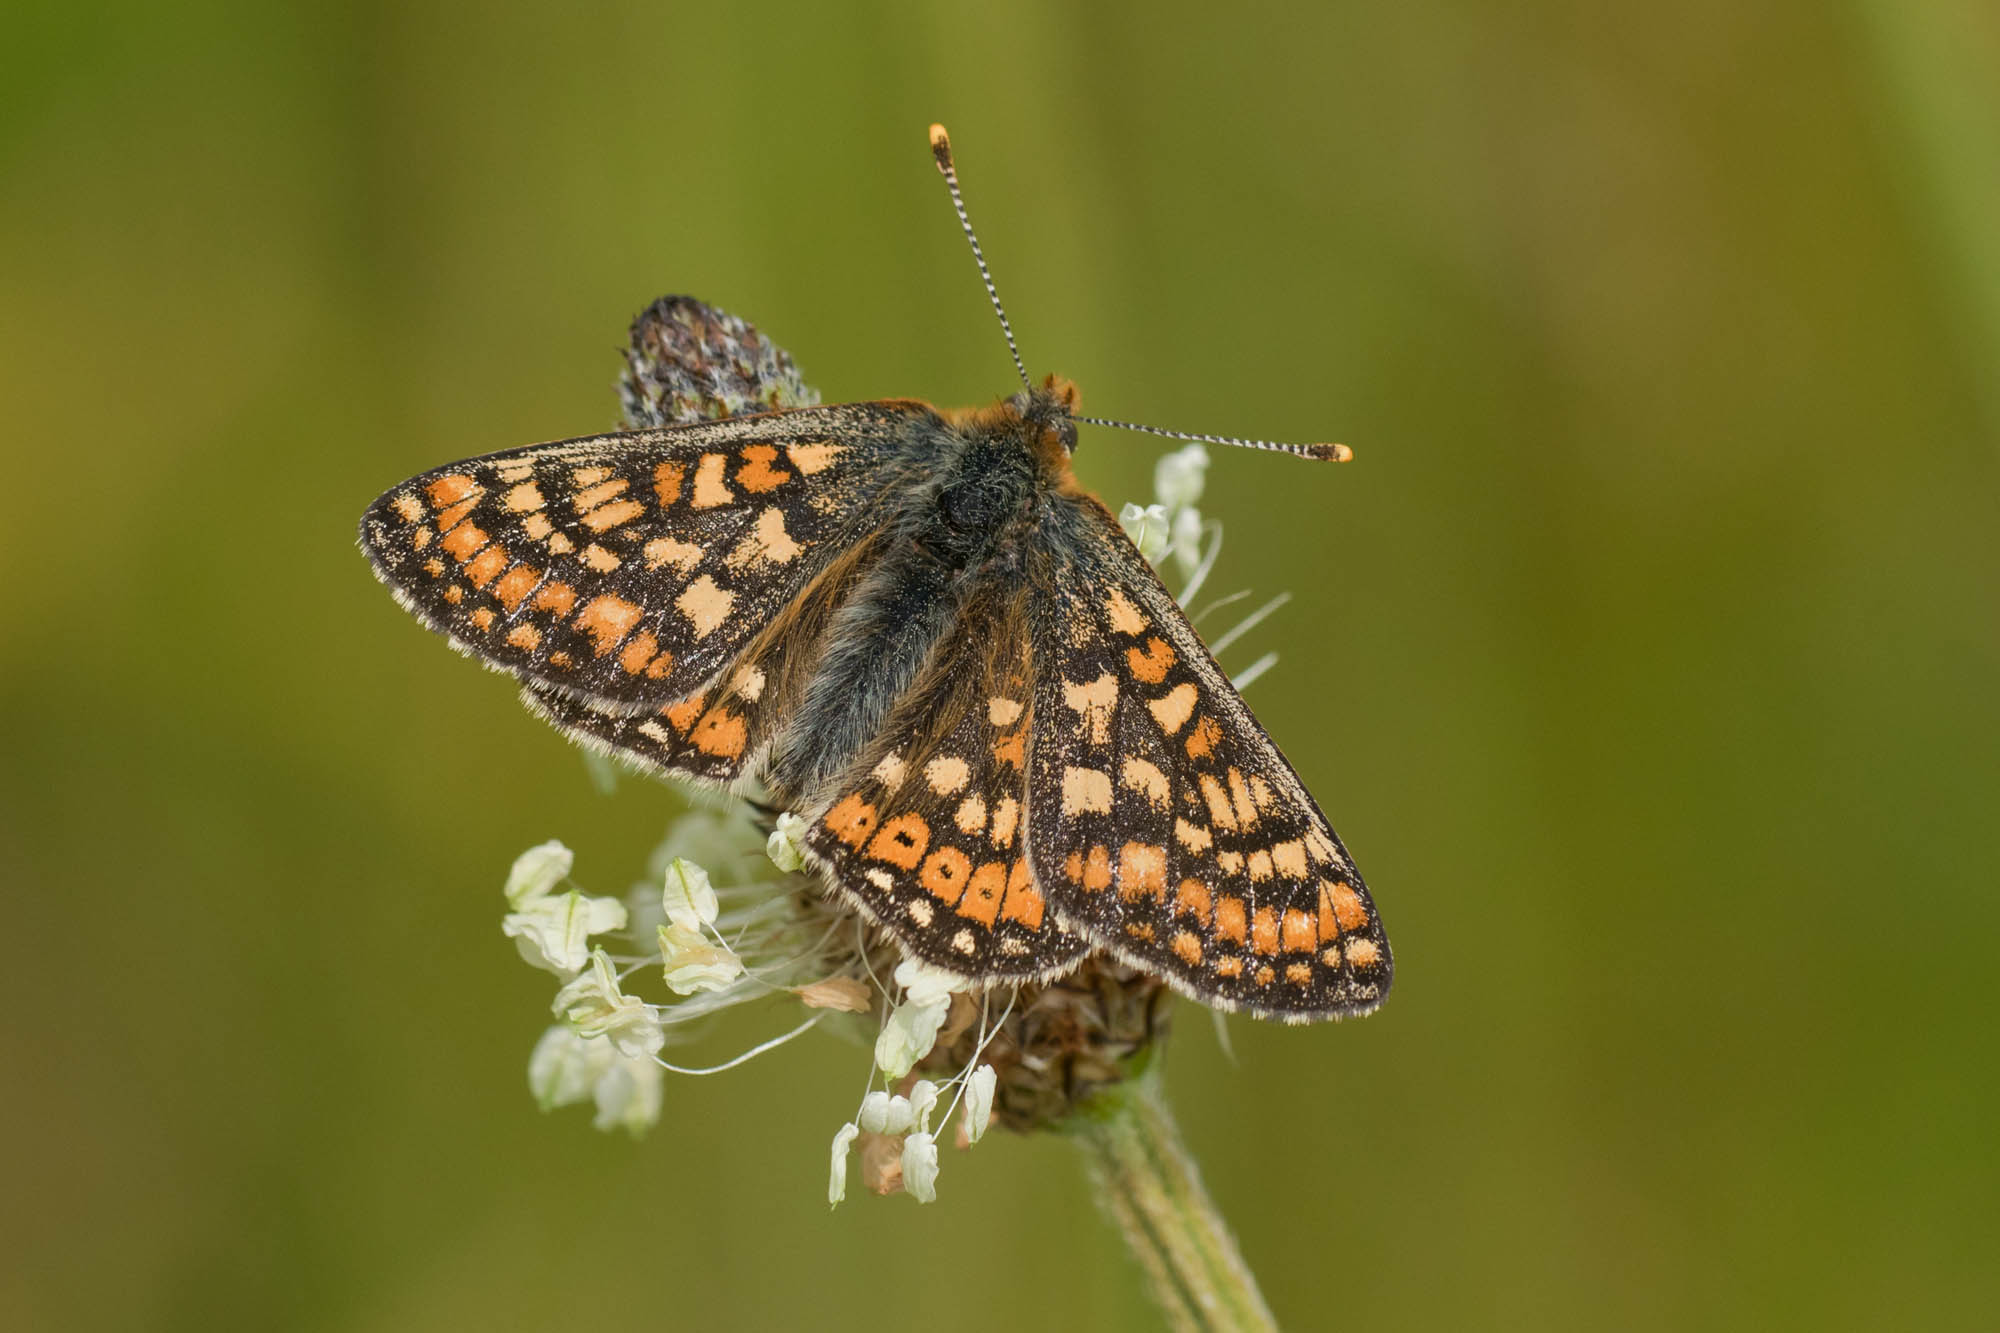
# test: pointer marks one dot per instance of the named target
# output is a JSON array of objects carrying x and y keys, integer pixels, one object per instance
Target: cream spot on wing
[
  {"x": 748, "y": 682},
  {"x": 609, "y": 516},
  {"x": 971, "y": 816},
  {"x": 881, "y": 879},
  {"x": 590, "y": 497},
  {"x": 517, "y": 472},
  {"x": 709, "y": 488},
  {"x": 1005, "y": 815},
  {"x": 1171, "y": 709},
  {"x": 524, "y": 498},
  {"x": 1124, "y": 617},
  {"x": 537, "y": 526},
  {"x": 589, "y": 476},
  {"x": 560, "y": 544},
  {"x": 767, "y": 542},
  {"x": 890, "y": 771},
  {"x": 1220, "y": 812},
  {"x": 408, "y": 507},
  {"x": 683, "y": 556},
  {"x": 1145, "y": 778},
  {"x": 705, "y": 604},
  {"x": 1289, "y": 857},
  {"x": 811, "y": 458},
  {"x": 1085, "y": 790},
  {"x": 1002, "y": 712},
  {"x": 1095, "y": 702},
  {"x": 600, "y": 559},
  {"x": 946, "y": 774},
  {"x": 919, "y": 909},
  {"x": 655, "y": 732},
  {"x": 1193, "y": 836},
  {"x": 964, "y": 942}
]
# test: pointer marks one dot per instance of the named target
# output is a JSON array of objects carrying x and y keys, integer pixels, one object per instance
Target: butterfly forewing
[
  {"x": 629, "y": 569},
  {"x": 1164, "y": 823},
  {"x": 927, "y": 832}
]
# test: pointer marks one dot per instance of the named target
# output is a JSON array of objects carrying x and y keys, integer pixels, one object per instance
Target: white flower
[
  {"x": 536, "y": 871},
  {"x": 628, "y": 1096},
  {"x": 1187, "y": 541},
  {"x": 923, "y": 983},
  {"x": 909, "y": 1035},
  {"x": 688, "y": 897},
  {"x": 595, "y": 1007},
  {"x": 923, "y": 1101},
  {"x": 920, "y": 1167},
  {"x": 554, "y": 932},
  {"x": 565, "y": 1067},
  {"x": 1178, "y": 477},
  {"x": 1150, "y": 529},
  {"x": 882, "y": 1113},
  {"x": 978, "y": 1111},
  {"x": 836, "y": 1183},
  {"x": 785, "y": 841},
  {"x": 696, "y": 963}
]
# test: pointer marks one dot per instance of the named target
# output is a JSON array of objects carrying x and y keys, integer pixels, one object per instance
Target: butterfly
[{"x": 917, "y": 631}]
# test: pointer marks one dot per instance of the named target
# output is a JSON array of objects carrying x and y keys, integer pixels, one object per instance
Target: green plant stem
[{"x": 1149, "y": 1185}]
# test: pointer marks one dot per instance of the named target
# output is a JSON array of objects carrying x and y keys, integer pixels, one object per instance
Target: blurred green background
[{"x": 1646, "y": 656}]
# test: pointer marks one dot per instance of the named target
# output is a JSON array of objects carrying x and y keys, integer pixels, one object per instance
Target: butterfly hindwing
[
  {"x": 717, "y": 735},
  {"x": 1163, "y": 821},
  {"x": 630, "y": 569},
  {"x": 927, "y": 831}
]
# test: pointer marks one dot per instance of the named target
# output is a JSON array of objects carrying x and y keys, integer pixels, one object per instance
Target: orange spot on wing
[
  {"x": 483, "y": 617},
  {"x": 557, "y": 598},
  {"x": 1187, "y": 948},
  {"x": 1097, "y": 869},
  {"x": 1201, "y": 741},
  {"x": 463, "y": 542},
  {"x": 1363, "y": 953},
  {"x": 486, "y": 566},
  {"x": 1299, "y": 974},
  {"x": 1023, "y": 902},
  {"x": 682, "y": 715},
  {"x": 755, "y": 474},
  {"x": 1229, "y": 921},
  {"x": 851, "y": 821},
  {"x": 607, "y": 620},
  {"x": 525, "y": 637},
  {"x": 1142, "y": 869},
  {"x": 1151, "y": 665},
  {"x": 1229, "y": 967},
  {"x": 1339, "y": 901},
  {"x": 721, "y": 733},
  {"x": 1073, "y": 867},
  {"x": 455, "y": 515},
  {"x": 944, "y": 874},
  {"x": 667, "y": 482},
  {"x": 1191, "y": 899},
  {"x": 983, "y": 892},
  {"x": 1264, "y": 930},
  {"x": 901, "y": 841},
  {"x": 1297, "y": 929},
  {"x": 1012, "y": 749},
  {"x": 1265, "y": 975},
  {"x": 515, "y": 585},
  {"x": 638, "y": 652},
  {"x": 452, "y": 489}
]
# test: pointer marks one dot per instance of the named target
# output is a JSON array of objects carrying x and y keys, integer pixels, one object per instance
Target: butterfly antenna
[
  {"x": 941, "y": 150},
  {"x": 1336, "y": 453}
]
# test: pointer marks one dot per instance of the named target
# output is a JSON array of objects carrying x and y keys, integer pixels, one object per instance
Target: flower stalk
[{"x": 1149, "y": 1185}]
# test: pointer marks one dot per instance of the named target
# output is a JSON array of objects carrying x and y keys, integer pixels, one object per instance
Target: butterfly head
[{"x": 1049, "y": 414}]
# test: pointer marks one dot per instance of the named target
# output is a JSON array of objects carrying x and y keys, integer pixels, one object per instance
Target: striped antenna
[
  {"x": 1334, "y": 453},
  {"x": 941, "y": 150}
]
